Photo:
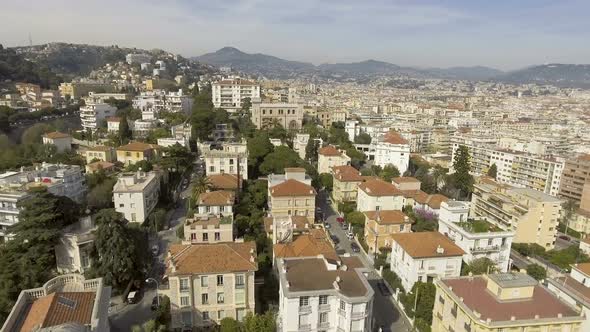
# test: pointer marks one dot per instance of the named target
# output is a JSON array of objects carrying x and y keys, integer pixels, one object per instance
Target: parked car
[
  {"x": 565, "y": 237},
  {"x": 335, "y": 239},
  {"x": 383, "y": 288},
  {"x": 327, "y": 225},
  {"x": 344, "y": 226},
  {"x": 133, "y": 297},
  {"x": 355, "y": 247},
  {"x": 340, "y": 220},
  {"x": 350, "y": 235},
  {"x": 155, "y": 249}
]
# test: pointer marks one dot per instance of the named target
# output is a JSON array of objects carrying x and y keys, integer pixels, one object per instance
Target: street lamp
[{"x": 156, "y": 281}]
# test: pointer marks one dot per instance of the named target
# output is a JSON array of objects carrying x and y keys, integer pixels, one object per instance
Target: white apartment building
[
  {"x": 209, "y": 282},
  {"x": 376, "y": 194},
  {"x": 268, "y": 115},
  {"x": 227, "y": 157},
  {"x": 574, "y": 289},
  {"x": 317, "y": 294},
  {"x": 136, "y": 195},
  {"x": 92, "y": 114},
  {"x": 208, "y": 229},
  {"x": 479, "y": 238},
  {"x": 72, "y": 253},
  {"x": 160, "y": 100},
  {"x": 61, "y": 141},
  {"x": 424, "y": 256},
  {"x": 9, "y": 198},
  {"x": 390, "y": 149},
  {"x": 230, "y": 93},
  {"x": 517, "y": 168},
  {"x": 329, "y": 157},
  {"x": 300, "y": 143},
  {"x": 171, "y": 141}
]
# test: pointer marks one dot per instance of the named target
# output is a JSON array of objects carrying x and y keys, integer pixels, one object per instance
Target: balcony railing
[
  {"x": 359, "y": 315},
  {"x": 305, "y": 309},
  {"x": 305, "y": 327},
  {"x": 342, "y": 312},
  {"x": 324, "y": 325},
  {"x": 494, "y": 248},
  {"x": 324, "y": 307}
]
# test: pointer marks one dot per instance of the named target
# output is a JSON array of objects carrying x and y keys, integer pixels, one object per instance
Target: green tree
[
  {"x": 229, "y": 325},
  {"x": 424, "y": 304},
  {"x": 389, "y": 172},
  {"x": 536, "y": 271},
  {"x": 356, "y": 220},
  {"x": 276, "y": 161},
  {"x": 462, "y": 164},
  {"x": 311, "y": 150},
  {"x": 200, "y": 185},
  {"x": 177, "y": 157},
  {"x": 259, "y": 147},
  {"x": 120, "y": 251},
  {"x": 260, "y": 323},
  {"x": 493, "y": 171},
  {"x": 163, "y": 316},
  {"x": 101, "y": 195},
  {"x": 479, "y": 266},
  {"x": 124, "y": 131},
  {"x": 327, "y": 181},
  {"x": 35, "y": 133},
  {"x": 363, "y": 138},
  {"x": 246, "y": 104}
]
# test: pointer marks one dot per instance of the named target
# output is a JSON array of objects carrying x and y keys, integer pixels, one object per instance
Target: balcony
[
  {"x": 323, "y": 325},
  {"x": 342, "y": 312},
  {"x": 305, "y": 327},
  {"x": 359, "y": 315},
  {"x": 305, "y": 309},
  {"x": 494, "y": 248},
  {"x": 324, "y": 307}
]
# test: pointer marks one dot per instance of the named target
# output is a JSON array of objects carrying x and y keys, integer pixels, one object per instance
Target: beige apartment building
[
  {"x": 503, "y": 302},
  {"x": 576, "y": 174},
  {"x": 345, "y": 183},
  {"x": 268, "y": 115},
  {"x": 208, "y": 229},
  {"x": 210, "y": 282},
  {"x": 291, "y": 194},
  {"x": 101, "y": 153},
  {"x": 531, "y": 214},
  {"x": 229, "y": 158},
  {"x": 329, "y": 157},
  {"x": 380, "y": 225}
]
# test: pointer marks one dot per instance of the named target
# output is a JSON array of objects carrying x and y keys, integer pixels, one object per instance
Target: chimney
[
  {"x": 512, "y": 318},
  {"x": 440, "y": 250},
  {"x": 336, "y": 283}
]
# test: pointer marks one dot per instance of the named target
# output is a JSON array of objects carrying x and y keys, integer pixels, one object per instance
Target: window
[
  {"x": 133, "y": 217},
  {"x": 401, "y": 228},
  {"x": 323, "y": 299},
  {"x": 217, "y": 236},
  {"x": 342, "y": 305},
  {"x": 220, "y": 314},
  {"x": 240, "y": 313},
  {"x": 240, "y": 280},
  {"x": 220, "y": 298},
  {"x": 183, "y": 285},
  {"x": 205, "y": 237},
  {"x": 205, "y": 315},
  {"x": 304, "y": 301},
  {"x": 212, "y": 169},
  {"x": 193, "y": 236},
  {"x": 204, "y": 298},
  {"x": 184, "y": 301},
  {"x": 204, "y": 281},
  {"x": 303, "y": 320},
  {"x": 323, "y": 317},
  {"x": 121, "y": 205},
  {"x": 219, "y": 280}
]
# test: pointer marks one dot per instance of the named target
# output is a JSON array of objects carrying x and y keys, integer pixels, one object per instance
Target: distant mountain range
[{"x": 564, "y": 75}]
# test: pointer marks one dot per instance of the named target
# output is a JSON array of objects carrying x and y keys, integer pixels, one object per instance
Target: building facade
[
  {"x": 207, "y": 229},
  {"x": 268, "y": 115},
  {"x": 380, "y": 225},
  {"x": 575, "y": 175},
  {"x": 136, "y": 195},
  {"x": 229, "y": 94},
  {"x": 227, "y": 157},
  {"x": 329, "y": 157},
  {"x": 93, "y": 114},
  {"x": 345, "y": 183},
  {"x": 375, "y": 195}
]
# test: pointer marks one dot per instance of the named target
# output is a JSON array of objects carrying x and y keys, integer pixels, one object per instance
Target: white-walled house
[
  {"x": 136, "y": 195},
  {"x": 376, "y": 194},
  {"x": 318, "y": 294},
  {"x": 72, "y": 253},
  {"x": 478, "y": 238},
  {"x": 61, "y": 141},
  {"x": 391, "y": 149},
  {"x": 424, "y": 256},
  {"x": 329, "y": 157}
]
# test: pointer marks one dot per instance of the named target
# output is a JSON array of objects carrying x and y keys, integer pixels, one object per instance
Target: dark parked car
[
  {"x": 355, "y": 247},
  {"x": 565, "y": 237},
  {"x": 383, "y": 288},
  {"x": 344, "y": 226},
  {"x": 340, "y": 220},
  {"x": 155, "y": 302},
  {"x": 335, "y": 239}
]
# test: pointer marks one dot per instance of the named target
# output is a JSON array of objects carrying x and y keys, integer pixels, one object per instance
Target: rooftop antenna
[{"x": 30, "y": 40}]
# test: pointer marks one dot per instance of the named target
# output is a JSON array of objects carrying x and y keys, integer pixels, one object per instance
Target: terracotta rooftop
[
  {"x": 388, "y": 217},
  {"x": 212, "y": 258},
  {"x": 329, "y": 151},
  {"x": 426, "y": 244},
  {"x": 307, "y": 245},
  {"x": 583, "y": 267},
  {"x": 294, "y": 170},
  {"x": 56, "y": 135},
  {"x": 394, "y": 137},
  {"x": 311, "y": 274},
  {"x": 347, "y": 173},
  {"x": 476, "y": 297},
  {"x": 59, "y": 308},
  {"x": 219, "y": 197},
  {"x": 292, "y": 187},
  {"x": 299, "y": 223},
  {"x": 113, "y": 119},
  {"x": 223, "y": 181},
  {"x": 99, "y": 148},
  {"x": 378, "y": 187},
  {"x": 433, "y": 201},
  {"x": 405, "y": 179},
  {"x": 100, "y": 165},
  {"x": 137, "y": 146}
]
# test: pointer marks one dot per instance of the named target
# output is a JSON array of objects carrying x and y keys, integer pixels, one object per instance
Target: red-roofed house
[
  {"x": 329, "y": 157},
  {"x": 392, "y": 149},
  {"x": 376, "y": 194}
]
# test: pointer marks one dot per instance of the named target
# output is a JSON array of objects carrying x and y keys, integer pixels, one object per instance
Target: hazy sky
[{"x": 499, "y": 33}]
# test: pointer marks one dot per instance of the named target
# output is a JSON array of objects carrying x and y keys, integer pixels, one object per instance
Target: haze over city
[{"x": 501, "y": 34}]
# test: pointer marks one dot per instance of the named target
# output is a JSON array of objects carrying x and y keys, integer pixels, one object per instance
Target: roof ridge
[{"x": 237, "y": 253}]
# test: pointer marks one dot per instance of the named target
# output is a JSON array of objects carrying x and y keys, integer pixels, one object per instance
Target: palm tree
[{"x": 201, "y": 185}]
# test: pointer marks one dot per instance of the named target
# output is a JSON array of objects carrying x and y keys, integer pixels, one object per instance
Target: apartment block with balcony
[
  {"x": 291, "y": 194},
  {"x": 574, "y": 289},
  {"x": 101, "y": 153},
  {"x": 501, "y": 302},
  {"x": 208, "y": 229},
  {"x": 217, "y": 203},
  {"x": 157, "y": 101},
  {"x": 230, "y": 93},
  {"x": 92, "y": 114},
  {"x": 68, "y": 302},
  {"x": 380, "y": 225},
  {"x": 388, "y": 149},
  {"x": 329, "y": 157},
  {"x": 345, "y": 183},
  {"x": 9, "y": 211},
  {"x": 317, "y": 294},
  {"x": 479, "y": 238},
  {"x": 226, "y": 157},
  {"x": 375, "y": 194},
  {"x": 268, "y": 115},
  {"x": 72, "y": 253},
  {"x": 136, "y": 194},
  {"x": 575, "y": 175},
  {"x": 530, "y": 214},
  {"x": 424, "y": 256},
  {"x": 209, "y": 282}
]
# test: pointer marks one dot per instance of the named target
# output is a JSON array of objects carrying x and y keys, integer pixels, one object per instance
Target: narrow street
[{"x": 385, "y": 311}]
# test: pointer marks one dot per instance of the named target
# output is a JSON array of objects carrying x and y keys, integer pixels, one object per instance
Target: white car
[
  {"x": 350, "y": 235},
  {"x": 155, "y": 249}
]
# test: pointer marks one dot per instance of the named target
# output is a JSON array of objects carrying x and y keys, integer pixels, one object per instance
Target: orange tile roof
[
  {"x": 56, "y": 134},
  {"x": 138, "y": 146},
  {"x": 113, "y": 119},
  {"x": 425, "y": 244},
  {"x": 405, "y": 179},
  {"x": 306, "y": 245},
  {"x": 292, "y": 187},
  {"x": 294, "y": 170},
  {"x": 433, "y": 201},
  {"x": 223, "y": 181},
  {"x": 48, "y": 311},
  {"x": 212, "y": 258},
  {"x": 99, "y": 148},
  {"x": 330, "y": 151},
  {"x": 394, "y": 137},
  {"x": 378, "y": 187},
  {"x": 299, "y": 223},
  {"x": 214, "y": 198},
  {"x": 100, "y": 165},
  {"x": 583, "y": 267},
  {"x": 347, "y": 173},
  {"x": 388, "y": 217}
]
